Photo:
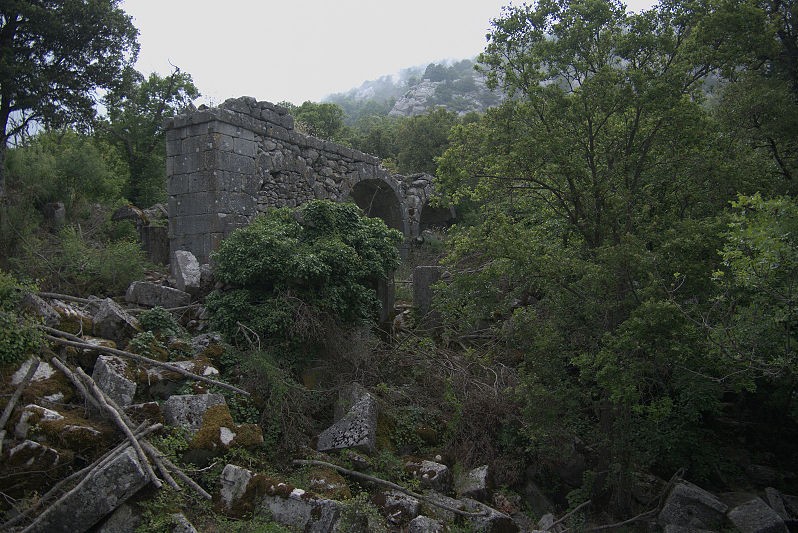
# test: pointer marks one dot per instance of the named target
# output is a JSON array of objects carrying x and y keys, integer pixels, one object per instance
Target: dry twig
[
  {"x": 63, "y": 338},
  {"x": 389, "y": 484}
]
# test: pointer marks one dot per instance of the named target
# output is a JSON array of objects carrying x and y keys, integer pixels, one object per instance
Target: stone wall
[{"x": 226, "y": 164}]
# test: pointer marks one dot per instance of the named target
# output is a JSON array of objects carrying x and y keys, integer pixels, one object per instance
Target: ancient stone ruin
[{"x": 226, "y": 164}]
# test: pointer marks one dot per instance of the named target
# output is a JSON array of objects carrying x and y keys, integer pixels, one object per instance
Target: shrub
[
  {"x": 18, "y": 334},
  {"x": 297, "y": 273}
]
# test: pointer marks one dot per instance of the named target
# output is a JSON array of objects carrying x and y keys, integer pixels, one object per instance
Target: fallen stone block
[
  {"x": 357, "y": 429},
  {"x": 397, "y": 507},
  {"x": 301, "y": 510},
  {"x": 424, "y": 524},
  {"x": 755, "y": 516},
  {"x": 43, "y": 371},
  {"x": 34, "y": 415},
  {"x": 188, "y": 410},
  {"x": 474, "y": 484},
  {"x": 234, "y": 482},
  {"x": 151, "y": 294},
  {"x": 113, "y": 375},
  {"x": 186, "y": 271},
  {"x": 99, "y": 494},
  {"x": 491, "y": 520},
  {"x": 36, "y": 305},
  {"x": 776, "y": 502},
  {"x": 163, "y": 383},
  {"x": 113, "y": 322},
  {"x": 33, "y": 456},
  {"x": 72, "y": 319},
  {"x": 432, "y": 475},
  {"x": 691, "y": 506}
]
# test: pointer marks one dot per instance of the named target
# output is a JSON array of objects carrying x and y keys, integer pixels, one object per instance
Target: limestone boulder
[
  {"x": 113, "y": 322},
  {"x": 181, "y": 524},
  {"x": 35, "y": 416},
  {"x": 474, "y": 484},
  {"x": 73, "y": 319},
  {"x": 425, "y": 524},
  {"x": 432, "y": 475},
  {"x": 234, "y": 482},
  {"x": 37, "y": 306},
  {"x": 691, "y": 506},
  {"x": 755, "y": 516},
  {"x": 357, "y": 429},
  {"x": 397, "y": 507},
  {"x": 186, "y": 271},
  {"x": 102, "y": 491},
  {"x": 33, "y": 456},
  {"x": 115, "y": 377},
  {"x": 43, "y": 371},
  {"x": 188, "y": 410},
  {"x": 301, "y": 510},
  {"x": 490, "y": 521},
  {"x": 151, "y": 294},
  {"x": 163, "y": 383}
]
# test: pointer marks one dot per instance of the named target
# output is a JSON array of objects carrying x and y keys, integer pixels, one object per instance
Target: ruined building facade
[{"x": 228, "y": 163}]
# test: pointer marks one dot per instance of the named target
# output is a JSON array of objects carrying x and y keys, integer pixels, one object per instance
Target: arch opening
[{"x": 377, "y": 199}]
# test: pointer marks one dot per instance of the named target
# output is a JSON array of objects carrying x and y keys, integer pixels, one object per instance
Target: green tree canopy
[
  {"x": 136, "y": 111},
  {"x": 54, "y": 55}
]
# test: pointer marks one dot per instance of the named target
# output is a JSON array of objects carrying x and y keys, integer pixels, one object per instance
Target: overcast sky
[{"x": 297, "y": 50}]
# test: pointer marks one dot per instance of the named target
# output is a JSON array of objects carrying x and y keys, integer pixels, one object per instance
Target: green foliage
[
  {"x": 759, "y": 275},
  {"x": 422, "y": 139},
  {"x": 325, "y": 121},
  {"x": 65, "y": 166},
  {"x": 136, "y": 110},
  {"x": 93, "y": 43},
  {"x": 602, "y": 191},
  {"x": 296, "y": 271},
  {"x": 78, "y": 265},
  {"x": 160, "y": 321},
  {"x": 19, "y": 337}
]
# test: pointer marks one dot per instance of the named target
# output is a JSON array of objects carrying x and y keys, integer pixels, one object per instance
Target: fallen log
[
  {"x": 62, "y": 337},
  {"x": 379, "y": 481}
]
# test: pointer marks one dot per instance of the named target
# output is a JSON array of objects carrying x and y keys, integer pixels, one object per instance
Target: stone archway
[
  {"x": 435, "y": 217},
  {"x": 378, "y": 199}
]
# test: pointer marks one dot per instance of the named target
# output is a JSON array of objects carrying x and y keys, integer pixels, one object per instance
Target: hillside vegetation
[{"x": 617, "y": 307}]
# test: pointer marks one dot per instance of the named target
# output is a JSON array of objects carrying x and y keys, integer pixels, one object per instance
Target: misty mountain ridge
[{"x": 453, "y": 85}]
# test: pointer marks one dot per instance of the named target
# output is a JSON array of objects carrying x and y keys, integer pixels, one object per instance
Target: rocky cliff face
[{"x": 462, "y": 96}]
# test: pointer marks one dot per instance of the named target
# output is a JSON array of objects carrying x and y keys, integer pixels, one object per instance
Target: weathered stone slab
[
  {"x": 187, "y": 410},
  {"x": 186, "y": 271},
  {"x": 233, "y": 481},
  {"x": 33, "y": 415},
  {"x": 357, "y": 429},
  {"x": 99, "y": 494},
  {"x": 304, "y": 512},
  {"x": 112, "y": 375},
  {"x": 474, "y": 484},
  {"x": 432, "y": 475},
  {"x": 397, "y": 507},
  {"x": 33, "y": 303},
  {"x": 691, "y": 506},
  {"x": 151, "y": 294},
  {"x": 423, "y": 279},
  {"x": 755, "y": 516},
  {"x": 125, "y": 519},
  {"x": 43, "y": 371},
  {"x": 491, "y": 521},
  {"x": 425, "y": 524},
  {"x": 113, "y": 322}
]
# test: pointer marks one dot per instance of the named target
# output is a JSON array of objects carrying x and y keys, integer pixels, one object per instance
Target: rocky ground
[{"x": 112, "y": 420}]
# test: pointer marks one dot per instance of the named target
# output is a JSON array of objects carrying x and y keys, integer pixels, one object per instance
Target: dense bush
[
  {"x": 18, "y": 335},
  {"x": 297, "y": 274}
]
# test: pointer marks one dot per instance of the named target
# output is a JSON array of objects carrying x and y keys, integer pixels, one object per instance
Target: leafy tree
[
  {"x": 325, "y": 121},
  {"x": 297, "y": 273},
  {"x": 602, "y": 186},
  {"x": 136, "y": 111},
  {"x": 54, "y": 55},
  {"x": 422, "y": 138}
]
